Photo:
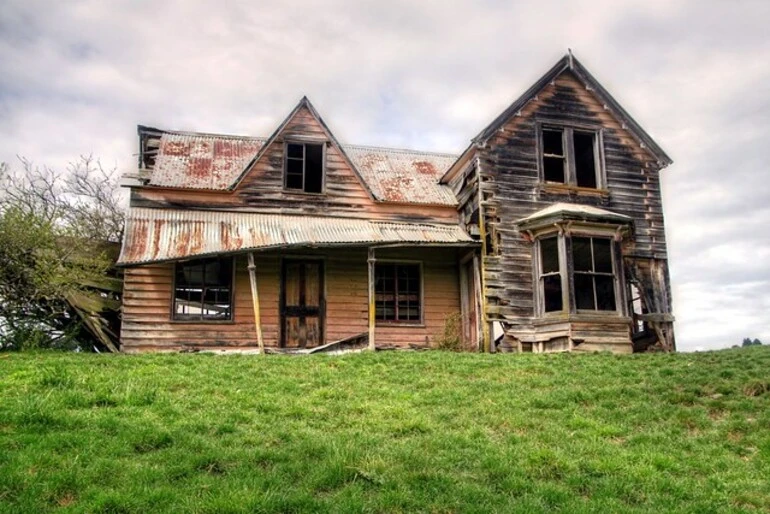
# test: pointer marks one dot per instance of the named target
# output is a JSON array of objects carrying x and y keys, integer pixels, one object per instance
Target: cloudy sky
[{"x": 76, "y": 77}]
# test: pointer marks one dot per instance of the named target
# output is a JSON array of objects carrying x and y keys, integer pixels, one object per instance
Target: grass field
[{"x": 386, "y": 432}]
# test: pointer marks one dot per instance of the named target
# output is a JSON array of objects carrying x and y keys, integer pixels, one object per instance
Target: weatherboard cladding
[
  {"x": 155, "y": 235},
  {"x": 215, "y": 162}
]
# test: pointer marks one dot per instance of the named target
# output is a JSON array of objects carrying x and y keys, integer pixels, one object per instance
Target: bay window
[{"x": 577, "y": 273}]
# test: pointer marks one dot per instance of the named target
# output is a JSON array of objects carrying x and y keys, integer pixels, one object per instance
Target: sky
[{"x": 76, "y": 77}]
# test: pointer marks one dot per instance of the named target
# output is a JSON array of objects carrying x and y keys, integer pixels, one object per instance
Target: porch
[{"x": 306, "y": 298}]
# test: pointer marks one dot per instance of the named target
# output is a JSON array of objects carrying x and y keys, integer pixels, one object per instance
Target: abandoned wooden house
[{"x": 545, "y": 234}]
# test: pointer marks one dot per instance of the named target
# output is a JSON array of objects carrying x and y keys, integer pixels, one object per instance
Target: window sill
[
  {"x": 302, "y": 193},
  {"x": 588, "y": 316},
  {"x": 203, "y": 321},
  {"x": 566, "y": 189},
  {"x": 399, "y": 324}
]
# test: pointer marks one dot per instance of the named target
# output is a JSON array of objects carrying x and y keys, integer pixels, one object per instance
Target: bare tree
[{"x": 59, "y": 235}]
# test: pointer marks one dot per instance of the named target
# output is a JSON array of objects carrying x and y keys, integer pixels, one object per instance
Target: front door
[{"x": 302, "y": 313}]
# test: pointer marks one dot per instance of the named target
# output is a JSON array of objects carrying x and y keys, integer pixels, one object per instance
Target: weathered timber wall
[
  {"x": 261, "y": 189},
  {"x": 147, "y": 303},
  {"x": 511, "y": 190}
]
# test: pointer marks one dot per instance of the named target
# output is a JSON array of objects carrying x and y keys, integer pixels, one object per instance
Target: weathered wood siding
[
  {"x": 148, "y": 291},
  {"x": 261, "y": 189},
  {"x": 511, "y": 190}
]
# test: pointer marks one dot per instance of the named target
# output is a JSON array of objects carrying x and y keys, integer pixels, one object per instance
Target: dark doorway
[{"x": 302, "y": 303}]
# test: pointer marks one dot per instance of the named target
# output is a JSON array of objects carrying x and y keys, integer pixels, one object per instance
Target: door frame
[{"x": 321, "y": 261}]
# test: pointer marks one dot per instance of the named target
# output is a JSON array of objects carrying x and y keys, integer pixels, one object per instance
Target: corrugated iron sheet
[
  {"x": 154, "y": 235},
  {"x": 202, "y": 161},
  {"x": 403, "y": 175},
  {"x": 213, "y": 161}
]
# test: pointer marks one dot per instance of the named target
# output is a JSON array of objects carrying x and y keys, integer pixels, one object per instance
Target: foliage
[
  {"x": 386, "y": 432},
  {"x": 747, "y": 341},
  {"x": 58, "y": 286},
  {"x": 450, "y": 338}
]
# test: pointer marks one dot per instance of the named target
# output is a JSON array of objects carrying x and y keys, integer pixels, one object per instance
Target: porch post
[
  {"x": 370, "y": 261},
  {"x": 255, "y": 300}
]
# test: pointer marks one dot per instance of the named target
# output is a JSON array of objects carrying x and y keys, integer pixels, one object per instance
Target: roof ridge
[
  {"x": 400, "y": 150},
  {"x": 212, "y": 134},
  {"x": 345, "y": 145}
]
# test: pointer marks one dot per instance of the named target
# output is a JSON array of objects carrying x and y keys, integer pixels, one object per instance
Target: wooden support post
[
  {"x": 481, "y": 315},
  {"x": 372, "y": 318},
  {"x": 255, "y": 300},
  {"x": 485, "y": 335}
]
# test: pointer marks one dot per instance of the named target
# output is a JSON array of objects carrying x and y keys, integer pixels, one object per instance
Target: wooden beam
[
  {"x": 480, "y": 304},
  {"x": 255, "y": 301},
  {"x": 372, "y": 318},
  {"x": 485, "y": 337}
]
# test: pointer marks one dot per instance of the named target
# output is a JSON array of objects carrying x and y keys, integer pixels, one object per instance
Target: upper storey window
[
  {"x": 304, "y": 167},
  {"x": 571, "y": 156}
]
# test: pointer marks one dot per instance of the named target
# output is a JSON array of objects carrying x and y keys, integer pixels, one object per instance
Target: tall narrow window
[
  {"x": 397, "y": 292},
  {"x": 550, "y": 276},
  {"x": 553, "y": 155},
  {"x": 585, "y": 159},
  {"x": 594, "y": 276},
  {"x": 203, "y": 289},
  {"x": 304, "y": 167}
]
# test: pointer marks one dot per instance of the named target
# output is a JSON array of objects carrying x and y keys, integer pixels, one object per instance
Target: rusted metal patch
[{"x": 178, "y": 234}]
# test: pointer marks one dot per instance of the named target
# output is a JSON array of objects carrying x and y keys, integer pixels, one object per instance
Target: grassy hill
[{"x": 386, "y": 432}]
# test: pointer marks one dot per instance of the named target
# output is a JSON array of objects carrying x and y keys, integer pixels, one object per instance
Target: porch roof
[{"x": 156, "y": 235}]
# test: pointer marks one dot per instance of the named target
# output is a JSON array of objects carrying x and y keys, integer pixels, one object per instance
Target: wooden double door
[{"x": 302, "y": 303}]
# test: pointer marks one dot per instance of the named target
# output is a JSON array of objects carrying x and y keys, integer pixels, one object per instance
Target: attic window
[
  {"x": 571, "y": 156},
  {"x": 304, "y": 167}
]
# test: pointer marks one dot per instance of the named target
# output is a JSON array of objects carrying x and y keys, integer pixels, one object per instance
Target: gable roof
[
  {"x": 193, "y": 160},
  {"x": 569, "y": 62},
  {"x": 304, "y": 103}
]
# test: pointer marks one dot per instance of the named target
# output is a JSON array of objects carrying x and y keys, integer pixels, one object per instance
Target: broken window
[
  {"x": 397, "y": 290},
  {"x": 203, "y": 289},
  {"x": 304, "y": 167},
  {"x": 592, "y": 280},
  {"x": 569, "y": 156}
]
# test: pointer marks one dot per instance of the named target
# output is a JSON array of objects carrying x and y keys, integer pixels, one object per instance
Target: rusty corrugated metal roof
[
  {"x": 202, "y": 161},
  {"x": 215, "y": 161},
  {"x": 154, "y": 235},
  {"x": 403, "y": 175}
]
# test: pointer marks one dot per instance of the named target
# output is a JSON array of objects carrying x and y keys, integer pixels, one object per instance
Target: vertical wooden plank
[
  {"x": 465, "y": 314},
  {"x": 255, "y": 301},
  {"x": 484, "y": 253},
  {"x": 371, "y": 262},
  {"x": 479, "y": 300}
]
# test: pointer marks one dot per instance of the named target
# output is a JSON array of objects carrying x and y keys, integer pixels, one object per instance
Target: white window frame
[{"x": 566, "y": 272}]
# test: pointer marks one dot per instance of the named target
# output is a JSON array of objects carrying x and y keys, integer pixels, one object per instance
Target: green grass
[{"x": 387, "y": 432}]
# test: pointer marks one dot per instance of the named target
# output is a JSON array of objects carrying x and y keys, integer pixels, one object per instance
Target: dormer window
[
  {"x": 304, "y": 169},
  {"x": 571, "y": 156}
]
